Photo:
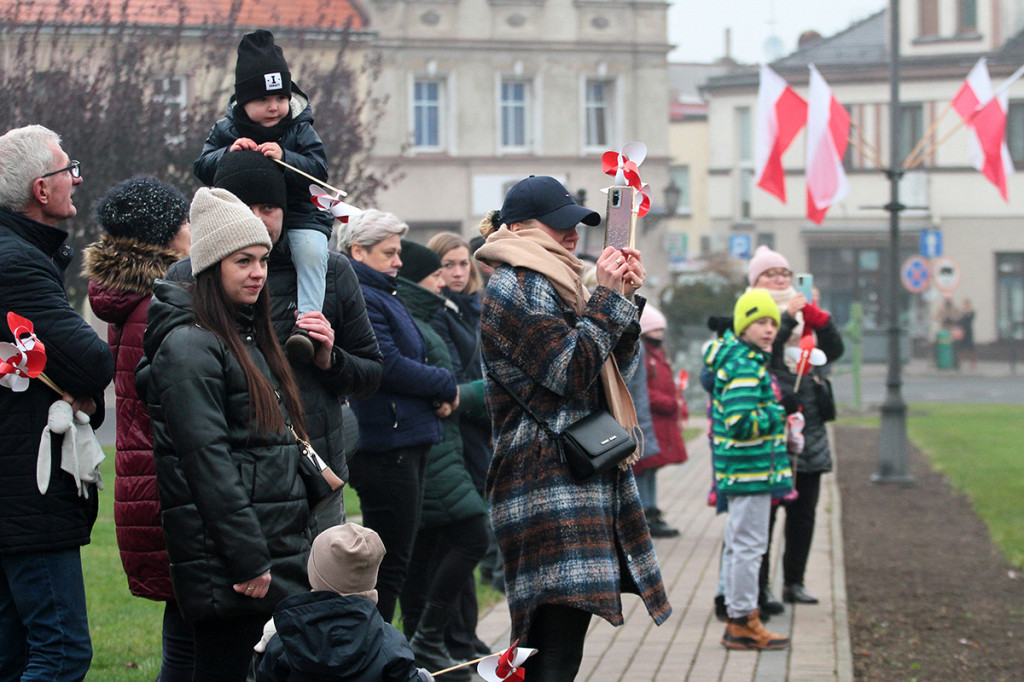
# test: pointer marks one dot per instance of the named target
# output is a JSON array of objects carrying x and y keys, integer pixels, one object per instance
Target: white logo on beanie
[{"x": 273, "y": 80}]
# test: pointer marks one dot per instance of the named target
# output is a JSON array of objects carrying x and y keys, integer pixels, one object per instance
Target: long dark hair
[{"x": 215, "y": 312}]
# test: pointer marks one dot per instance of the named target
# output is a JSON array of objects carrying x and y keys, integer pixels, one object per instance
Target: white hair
[
  {"x": 25, "y": 155},
  {"x": 368, "y": 229}
]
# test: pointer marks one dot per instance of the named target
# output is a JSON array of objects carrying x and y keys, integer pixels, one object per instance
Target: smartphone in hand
[
  {"x": 619, "y": 229},
  {"x": 805, "y": 285}
]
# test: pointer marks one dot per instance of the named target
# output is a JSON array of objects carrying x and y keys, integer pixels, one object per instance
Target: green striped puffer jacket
[{"x": 748, "y": 426}]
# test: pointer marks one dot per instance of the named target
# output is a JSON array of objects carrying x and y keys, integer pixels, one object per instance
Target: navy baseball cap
[{"x": 543, "y": 198}]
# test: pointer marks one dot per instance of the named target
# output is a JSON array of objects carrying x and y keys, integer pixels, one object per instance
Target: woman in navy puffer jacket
[{"x": 399, "y": 424}]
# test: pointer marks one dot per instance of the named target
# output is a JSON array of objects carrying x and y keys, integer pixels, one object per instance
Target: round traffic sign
[
  {"x": 915, "y": 274},
  {"x": 946, "y": 273}
]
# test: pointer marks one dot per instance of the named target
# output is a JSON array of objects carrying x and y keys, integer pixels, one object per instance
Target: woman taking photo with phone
[
  {"x": 571, "y": 547},
  {"x": 222, "y": 398}
]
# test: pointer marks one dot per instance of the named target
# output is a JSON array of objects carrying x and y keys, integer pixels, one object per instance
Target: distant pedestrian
[
  {"x": 668, "y": 413},
  {"x": 963, "y": 335}
]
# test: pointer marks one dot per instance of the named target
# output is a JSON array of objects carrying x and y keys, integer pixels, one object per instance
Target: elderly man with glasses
[{"x": 44, "y": 630}]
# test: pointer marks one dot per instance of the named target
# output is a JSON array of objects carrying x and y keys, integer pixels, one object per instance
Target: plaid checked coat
[{"x": 576, "y": 544}]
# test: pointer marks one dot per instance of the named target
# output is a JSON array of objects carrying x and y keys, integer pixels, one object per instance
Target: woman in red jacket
[
  {"x": 668, "y": 413},
  {"x": 146, "y": 231}
]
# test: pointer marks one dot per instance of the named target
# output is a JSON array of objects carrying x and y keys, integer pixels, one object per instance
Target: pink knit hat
[
  {"x": 651, "y": 319},
  {"x": 762, "y": 260}
]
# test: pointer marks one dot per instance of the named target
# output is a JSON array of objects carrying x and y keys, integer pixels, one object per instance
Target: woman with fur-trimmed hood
[{"x": 146, "y": 231}]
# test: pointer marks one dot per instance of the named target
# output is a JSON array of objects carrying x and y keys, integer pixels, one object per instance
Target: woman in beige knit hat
[{"x": 222, "y": 398}]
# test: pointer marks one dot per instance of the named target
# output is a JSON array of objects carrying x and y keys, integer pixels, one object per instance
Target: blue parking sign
[
  {"x": 739, "y": 246},
  {"x": 931, "y": 243}
]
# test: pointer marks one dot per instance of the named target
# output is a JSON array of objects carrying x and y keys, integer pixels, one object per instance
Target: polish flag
[
  {"x": 984, "y": 114},
  {"x": 781, "y": 113},
  {"x": 828, "y": 133}
]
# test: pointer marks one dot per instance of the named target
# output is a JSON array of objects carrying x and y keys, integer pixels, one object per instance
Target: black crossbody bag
[{"x": 589, "y": 447}]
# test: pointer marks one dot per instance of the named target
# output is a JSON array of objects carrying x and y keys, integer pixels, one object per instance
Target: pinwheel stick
[
  {"x": 49, "y": 382},
  {"x": 800, "y": 368},
  {"x": 460, "y": 665},
  {"x": 339, "y": 193}
]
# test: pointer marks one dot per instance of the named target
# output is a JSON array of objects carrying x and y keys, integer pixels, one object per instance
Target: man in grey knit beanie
[{"x": 221, "y": 225}]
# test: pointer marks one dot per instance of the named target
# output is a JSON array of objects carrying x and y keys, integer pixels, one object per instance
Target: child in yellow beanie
[{"x": 749, "y": 443}]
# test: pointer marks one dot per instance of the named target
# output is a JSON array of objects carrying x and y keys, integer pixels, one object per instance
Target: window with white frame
[
  {"x": 172, "y": 93},
  {"x": 515, "y": 114},
  {"x": 598, "y": 108},
  {"x": 428, "y": 113}
]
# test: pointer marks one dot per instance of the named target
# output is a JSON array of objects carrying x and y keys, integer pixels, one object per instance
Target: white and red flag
[
  {"x": 828, "y": 133},
  {"x": 781, "y": 113},
  {"x": 984, "y": 113}
]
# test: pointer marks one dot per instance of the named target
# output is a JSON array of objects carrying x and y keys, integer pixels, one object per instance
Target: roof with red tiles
[{"x": 281, "y": 14}]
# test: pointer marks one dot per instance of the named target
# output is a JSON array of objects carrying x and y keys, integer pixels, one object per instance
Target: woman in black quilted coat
[{"x": 221, "y": 398}]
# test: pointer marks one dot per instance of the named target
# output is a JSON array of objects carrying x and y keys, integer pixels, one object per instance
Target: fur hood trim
[{"x": 127, "y": 264}]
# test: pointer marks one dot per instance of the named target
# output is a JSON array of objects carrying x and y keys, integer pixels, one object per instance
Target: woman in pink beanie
[{"x": 769, "y": 270}]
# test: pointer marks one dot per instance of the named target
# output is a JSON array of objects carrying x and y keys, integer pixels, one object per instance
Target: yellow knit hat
[{"x": 752, "y": 306}]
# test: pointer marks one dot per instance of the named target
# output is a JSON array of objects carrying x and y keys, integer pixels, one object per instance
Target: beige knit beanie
[
  {"x": 221, "y": 225},
  {"x": 345, "y": 559}
]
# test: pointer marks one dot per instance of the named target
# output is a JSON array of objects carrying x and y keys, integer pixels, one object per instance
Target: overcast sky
[{"x": 697, "y": 27}]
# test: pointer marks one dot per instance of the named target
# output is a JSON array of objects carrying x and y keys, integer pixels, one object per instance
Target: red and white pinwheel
[
  {"x": 333, "y": 204},
  {"x": 506, "y": 666},
  {"x": 624, "y": 165},
  {"x": 642, "y": 201},
  {"x": 24, "y": 359},
  {"x": 805, "y": 355}
]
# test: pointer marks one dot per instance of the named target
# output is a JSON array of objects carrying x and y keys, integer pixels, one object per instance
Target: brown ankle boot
[{"x": 748, "y": 633}]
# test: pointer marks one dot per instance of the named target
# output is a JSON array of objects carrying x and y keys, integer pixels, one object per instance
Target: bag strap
[{"x": 526, "y": 408}]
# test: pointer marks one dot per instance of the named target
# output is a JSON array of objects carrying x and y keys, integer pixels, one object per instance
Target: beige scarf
[
  {"x": 535, "y": 249},
  {"x": 781, "y": 298}
]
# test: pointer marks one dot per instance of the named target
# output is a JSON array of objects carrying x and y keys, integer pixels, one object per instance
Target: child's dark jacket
[
  {"x": 326, "y": 636},
  {"x": 302, "y": 149}
]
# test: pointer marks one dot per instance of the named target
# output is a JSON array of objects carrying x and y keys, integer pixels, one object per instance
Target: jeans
[
  {"x": 224, "y": 646},
  {"x": 746, "y": 537},
  {"x": 179, "y": 655},
  {"x": 390, "y": 487},
  {"x": 558, "y": 633},
  {"x": 309, "y": 256},
  {"x": 646, "y": 486},
  {"x": 44, "y": 627}
]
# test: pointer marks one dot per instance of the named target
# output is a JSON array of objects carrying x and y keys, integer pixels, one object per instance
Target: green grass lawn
[
  {"x": 978, "y": 448},
  {"x": 125, "y": 629}
]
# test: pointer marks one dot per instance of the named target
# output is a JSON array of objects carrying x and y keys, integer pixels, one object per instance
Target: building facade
[{"x": 952, "y": 212}]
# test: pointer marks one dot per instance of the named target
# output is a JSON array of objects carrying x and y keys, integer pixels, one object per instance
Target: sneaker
[{"x": 747, "y": 632}]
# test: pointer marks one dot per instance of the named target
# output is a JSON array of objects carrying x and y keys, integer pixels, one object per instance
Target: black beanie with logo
[{"x": 261, "y": 69}]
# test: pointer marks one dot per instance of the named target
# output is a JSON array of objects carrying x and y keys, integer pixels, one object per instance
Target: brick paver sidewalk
[{"x": 687, "y": 646}]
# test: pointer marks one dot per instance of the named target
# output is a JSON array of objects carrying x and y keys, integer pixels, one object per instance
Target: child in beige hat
[{"x": 335, "y": 632}]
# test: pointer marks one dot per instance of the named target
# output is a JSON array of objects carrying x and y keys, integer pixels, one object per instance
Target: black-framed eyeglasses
[{"x": 75, "y": 168}]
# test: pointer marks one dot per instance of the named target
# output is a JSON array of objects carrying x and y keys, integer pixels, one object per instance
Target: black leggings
[
  {"x": 390, "y": 487},
  {"x": 800, "y": 516},
  {"x": 224, "y": 647},
  {"x": 442, "y": 561},
  {"x": 558, "y": 633}
]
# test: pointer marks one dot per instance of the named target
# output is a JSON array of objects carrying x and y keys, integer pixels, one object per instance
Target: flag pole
[
  {"x": 861, "y": 145},
  {"x": 911, "y": 160}
]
